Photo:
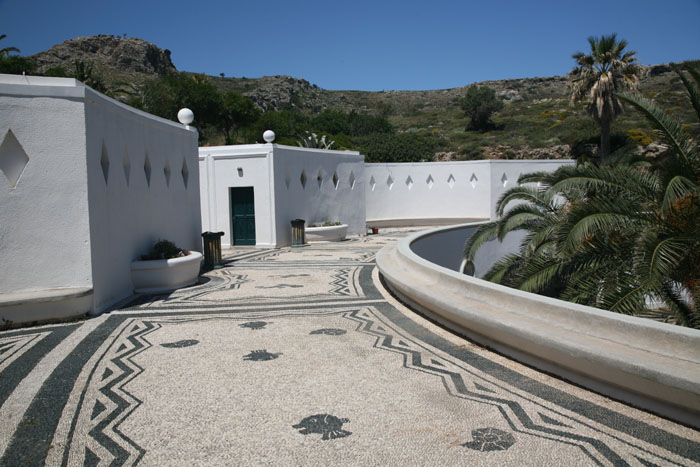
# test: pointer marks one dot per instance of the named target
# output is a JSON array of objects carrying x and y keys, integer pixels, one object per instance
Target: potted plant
[
  {"x": 326, "y": 232},
  {"x": 165, "y": 268}
]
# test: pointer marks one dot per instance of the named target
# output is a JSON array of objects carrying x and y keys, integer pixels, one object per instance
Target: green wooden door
[{"x": 242, "y": 215}]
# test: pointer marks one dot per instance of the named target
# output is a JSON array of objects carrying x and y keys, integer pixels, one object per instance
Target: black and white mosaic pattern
[{"x": 240, "y": 370}]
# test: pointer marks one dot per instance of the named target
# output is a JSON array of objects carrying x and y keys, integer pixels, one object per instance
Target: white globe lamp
[
  {"x": 186, "y": 116},
  {"x": 269, "y": 136}
]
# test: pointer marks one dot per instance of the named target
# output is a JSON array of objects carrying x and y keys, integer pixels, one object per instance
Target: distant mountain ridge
[{"x": 537, "y": 122}]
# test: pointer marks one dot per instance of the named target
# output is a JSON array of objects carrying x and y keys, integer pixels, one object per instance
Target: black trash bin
[
  {"x": 212, "y": 250},
  {"x": 298, "y": 238}
]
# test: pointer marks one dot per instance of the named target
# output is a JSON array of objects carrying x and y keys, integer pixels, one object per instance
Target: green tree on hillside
[
  {"x": 479, "y": 103},
  {"x": 599, "y": 77},
  {"x": 236, "y": 112}
]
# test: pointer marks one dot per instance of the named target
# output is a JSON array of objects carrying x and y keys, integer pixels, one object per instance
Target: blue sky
[{"x": 367, "y": 45}]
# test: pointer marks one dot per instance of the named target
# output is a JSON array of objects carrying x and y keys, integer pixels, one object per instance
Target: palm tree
[
  {"x": 625, "y": 235},
  {"x": 597, "y": 79},
  {"x": 5, "y": 52}
]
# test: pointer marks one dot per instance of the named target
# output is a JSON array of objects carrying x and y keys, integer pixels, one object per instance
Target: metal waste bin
[
  {"x": 298, "y": 238},
  {"x": 212, "y": 250}
]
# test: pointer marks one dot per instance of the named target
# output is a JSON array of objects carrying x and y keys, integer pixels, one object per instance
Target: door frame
[{"x": 232, "y": 219}]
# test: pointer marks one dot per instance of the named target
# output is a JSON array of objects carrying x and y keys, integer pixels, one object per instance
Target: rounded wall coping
[
  {"x": 583, "y": 319},
  {"x": 650, "y": 364},
  {"x": 370, "y": 165},
  {"x": 141, "y": 265}
]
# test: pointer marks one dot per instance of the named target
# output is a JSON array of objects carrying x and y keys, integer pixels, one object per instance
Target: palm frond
[{"x": 669, "y": 127}]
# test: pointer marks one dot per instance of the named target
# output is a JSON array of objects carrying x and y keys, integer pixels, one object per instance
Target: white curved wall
[
  {"x": 44, "y": 219},
  {"x": 77, "y": 217},
  {"x": 646, "y": 363},
  {"x": 443, "y": 190}
]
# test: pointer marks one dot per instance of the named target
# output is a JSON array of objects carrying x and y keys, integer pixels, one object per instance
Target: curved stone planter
[
  {"x": 332, "y": 233},
  {"x": 165, "y": 275},
  {"x": 648, "y": 364}
]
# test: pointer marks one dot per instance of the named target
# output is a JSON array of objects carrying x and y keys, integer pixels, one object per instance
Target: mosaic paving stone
[{"x": 346, "y": 375}]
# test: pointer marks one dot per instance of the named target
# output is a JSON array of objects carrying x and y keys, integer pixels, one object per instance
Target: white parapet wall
[
  {"x": 648, "y": 364},
  {"x": 424, "y": 191},
  {"x": 288, "y": 183},
  {"x": 89, "y": 185}
]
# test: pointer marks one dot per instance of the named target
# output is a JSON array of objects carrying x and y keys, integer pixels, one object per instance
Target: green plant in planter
[
  {"x": 330, "y": 224},
  {"x": 164, "y": 249}
]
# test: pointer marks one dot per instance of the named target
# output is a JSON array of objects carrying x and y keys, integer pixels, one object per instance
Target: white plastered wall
[
  {"x": 319, "y": 199},
  {"x": 44, "y": 224},
  {"x": 127, "y": 213},
  {"x": 427, "y": 190},
  {"x": 219, "y": 166},
  {"x": 274, "y": 172},
  {"x": 63, "y": 225},
  {"x": 442, "y": 190}
]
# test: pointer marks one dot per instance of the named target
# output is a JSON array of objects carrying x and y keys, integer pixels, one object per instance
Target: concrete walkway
[{"x": 298, "y": 357}]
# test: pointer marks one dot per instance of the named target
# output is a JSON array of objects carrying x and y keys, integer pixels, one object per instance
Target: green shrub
[
  {"x": 164, "y": 249},
  {"x": 400, "y": 147}
]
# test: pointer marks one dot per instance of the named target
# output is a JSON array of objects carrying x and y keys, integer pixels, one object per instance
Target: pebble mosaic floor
[{"x": 298, "y": 357}]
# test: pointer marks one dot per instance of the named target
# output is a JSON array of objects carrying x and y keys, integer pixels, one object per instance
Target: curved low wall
[{"x": 648, "y": 364}]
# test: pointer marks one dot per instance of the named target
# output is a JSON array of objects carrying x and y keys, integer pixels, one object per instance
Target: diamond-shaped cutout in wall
[
  {"x": 430, "y": 182},
  {"x": 166, "y": 172},
  {"x": 473, "y": 180},
  {"x": 409, "y": 182},
  {"x": 104, "y": 162},
  {"x": 451, "y": 181},
  {"x": 504, "y": 180},
  {"x": 352, "y": 180},
  {"x": 372, "y": 183},
  {"x": 126, "y": 163},
  {"x": 390, "y": 182},
  {"x": 13, "y": 159},
  {"x": 185, "y": 171},
  {"x": 147, "y": 169},
  {"x": 335, "y": 180},
  {"x": 319, "y": 178},
  {"x": 302, "y": 179},
  {"x": 286, "y": 178}
]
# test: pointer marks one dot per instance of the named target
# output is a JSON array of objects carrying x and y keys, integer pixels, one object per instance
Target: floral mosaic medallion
[
  {"x": 261, "y": 355},
  {"x": 328, "y": 426},
  {"x": 490, "y": 439}
]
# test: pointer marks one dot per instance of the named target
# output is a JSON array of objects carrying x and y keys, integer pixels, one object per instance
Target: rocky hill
[
  {"x": 114, "y": 57},
  {"x": 537, "y": 121}
]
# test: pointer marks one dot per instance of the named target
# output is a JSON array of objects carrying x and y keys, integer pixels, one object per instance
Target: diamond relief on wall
[
  {"x": 185, "y": 171},
  {"x": 430, "y": 182},
  {"x": 473, "y": 180},
  {"x": 409, "y": 182},
  {"x": 147, "y": 169},
  {"x": 166, "y": 171},
  {"x": 319, "y": 178},
  {"x": 504, "y": 180},
  {"x": 335, "y": 180},
  {"x": 352, "y": 180},
  {"x": 451, "y": 180},
  {"x": 13, "y": 159},
  {"x": 286, "y": 178},
  {"x": 372, "y": 183},
  {"x": 390, "y": 182},
  {"x": 126, "y": 163},
  {"x": 104, "y": 162},
  {"x": 302, "y": 179}
]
